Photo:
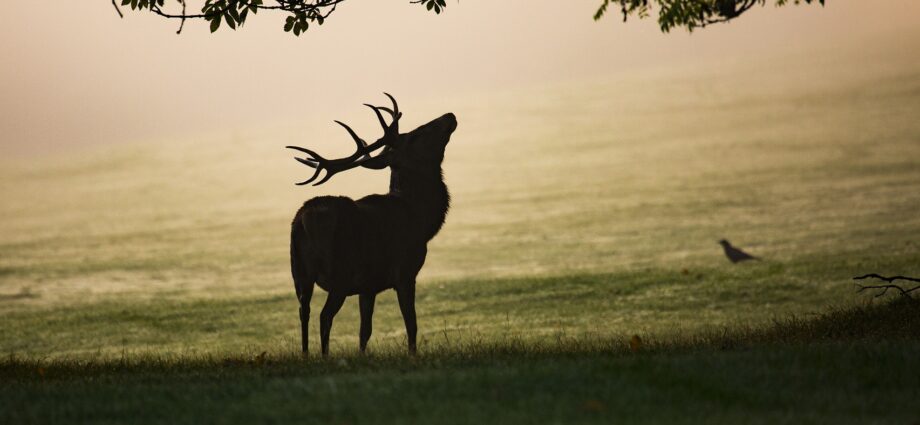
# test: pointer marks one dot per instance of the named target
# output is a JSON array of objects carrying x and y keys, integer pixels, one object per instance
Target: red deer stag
[{"x": 363, "y": 247}]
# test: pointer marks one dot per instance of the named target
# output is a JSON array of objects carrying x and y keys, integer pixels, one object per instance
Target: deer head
[{"x": 418, "y": 151}]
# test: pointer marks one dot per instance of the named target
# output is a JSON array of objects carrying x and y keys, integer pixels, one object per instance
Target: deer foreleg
[
  {"x": 367, "y": 314},
  {"x": 406, "y": 296},
  {"x": 333, "y": 304}
]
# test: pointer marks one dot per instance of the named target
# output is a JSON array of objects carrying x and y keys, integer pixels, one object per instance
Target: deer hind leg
[
  {"x": 333, "y": 304},
  {"x": 304, "y": 296},
  {"x": 304, "y": 280},
  {"x": 367, "y": 314},
  {"x": 406, "y": 297}
]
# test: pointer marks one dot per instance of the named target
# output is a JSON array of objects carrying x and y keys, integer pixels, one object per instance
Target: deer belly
[
  {"x": 372, "y": 263},
  {"x": 351, "y": 280}
]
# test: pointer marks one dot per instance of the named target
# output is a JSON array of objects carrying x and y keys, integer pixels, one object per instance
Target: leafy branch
[
  {"x": 432, "y": 5},
  {"x": 690, "y": 14},
  {"x": 234, "y": 13}
]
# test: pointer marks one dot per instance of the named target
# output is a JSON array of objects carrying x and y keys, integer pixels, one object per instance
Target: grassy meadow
[{"x": 149, "y": 281}]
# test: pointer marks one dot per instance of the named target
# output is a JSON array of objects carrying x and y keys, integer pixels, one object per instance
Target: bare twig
[
  {"x": 890, "y": 285},
  {"x": 115, "y": 5},
  {"x": 183, "y": 16},
  {"x": 888, "y": 279},
  {"x": 182, "y": 24}
]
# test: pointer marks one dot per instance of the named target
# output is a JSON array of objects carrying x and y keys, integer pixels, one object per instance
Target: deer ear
[{"x": 378, "y": 162}]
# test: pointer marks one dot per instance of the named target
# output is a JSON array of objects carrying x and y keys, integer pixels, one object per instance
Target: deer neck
[{"x": 427, "y": 196}]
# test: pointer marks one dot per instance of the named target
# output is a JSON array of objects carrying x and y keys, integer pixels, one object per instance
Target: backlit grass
[
  {"x": 846, "y": 366},
  {"x": 149, "y": 282}
]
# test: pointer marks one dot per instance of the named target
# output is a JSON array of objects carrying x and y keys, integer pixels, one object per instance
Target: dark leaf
[{"x": 235, "y": 14}]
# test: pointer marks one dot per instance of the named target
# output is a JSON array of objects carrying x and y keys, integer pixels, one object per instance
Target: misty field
[{"x": 150, "y": 280}]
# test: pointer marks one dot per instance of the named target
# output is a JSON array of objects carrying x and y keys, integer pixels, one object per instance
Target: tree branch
[
  {"x": 689, "y": 14},
  {"x": 115, "y": 5},
  {"x": 235, "y": 12},
  {"x": 182, "y": 23},
  {"x": 287, "y": 6},
  {"x": 885, "y": 288}
]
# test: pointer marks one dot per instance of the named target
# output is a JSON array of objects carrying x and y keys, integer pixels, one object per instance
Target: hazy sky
[{"x": 74, "y": 73}]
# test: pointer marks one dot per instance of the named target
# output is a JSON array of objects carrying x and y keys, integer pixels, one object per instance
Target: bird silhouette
[{"x": 735, "y": 255}]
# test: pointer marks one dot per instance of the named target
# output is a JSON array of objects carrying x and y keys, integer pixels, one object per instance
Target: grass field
[
  {"x": 849, "y": 366},
  {"x": 144, "y": 282}
]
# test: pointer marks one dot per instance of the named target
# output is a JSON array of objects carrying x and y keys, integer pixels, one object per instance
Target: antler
[{"x": 362, "y": 152}]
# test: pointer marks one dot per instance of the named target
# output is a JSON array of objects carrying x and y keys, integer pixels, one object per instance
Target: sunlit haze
[{"x": 75, "y": 74}]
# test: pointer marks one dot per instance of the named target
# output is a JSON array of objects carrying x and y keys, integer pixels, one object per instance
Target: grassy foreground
[{"x": 851, "y": 365}]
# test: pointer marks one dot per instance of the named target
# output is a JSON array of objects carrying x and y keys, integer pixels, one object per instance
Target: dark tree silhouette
[
  {"x": 301, "y": 13},
  {"x": 689, "y": 14},
  {"x": 378, "y": 242}
]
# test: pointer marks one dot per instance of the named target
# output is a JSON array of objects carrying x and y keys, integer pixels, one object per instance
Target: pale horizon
[{"x": 94, "y": 79}]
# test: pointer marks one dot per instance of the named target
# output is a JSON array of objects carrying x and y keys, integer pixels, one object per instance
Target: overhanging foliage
[{"x": 689, "y": 14}]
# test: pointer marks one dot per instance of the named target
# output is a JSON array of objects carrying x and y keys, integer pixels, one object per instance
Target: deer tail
[
  {"x": 313, "y": 237},
  {"x": 301, "y": 270},
  {"x": 319, "y": 226}
]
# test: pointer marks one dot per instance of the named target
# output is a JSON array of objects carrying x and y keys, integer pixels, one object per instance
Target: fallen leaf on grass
[
  {"x": 635, "y": 343},
  {"x": 593, "y": 406}
]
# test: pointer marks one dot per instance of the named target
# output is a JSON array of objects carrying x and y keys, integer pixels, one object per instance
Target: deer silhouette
[{"x": 366, "y": 246}]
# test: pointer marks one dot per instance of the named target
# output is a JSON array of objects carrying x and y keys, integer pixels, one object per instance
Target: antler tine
[
  {"x": 313, "y": 162},
  {"x": 328, "y": 176},
  {"x": 308, "y": 162},
  {"x": 396, "y": 113},
  {"x": 389, "y": 131},
  {"x": 304, "y": 150},
  {"x": 362, "y": 145},
  {"x": 376, "y": 110},
  {"x": 362, "y": 152},
  {"x": 385, "y": 109},
  {"x": 313, "y": 177}
]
